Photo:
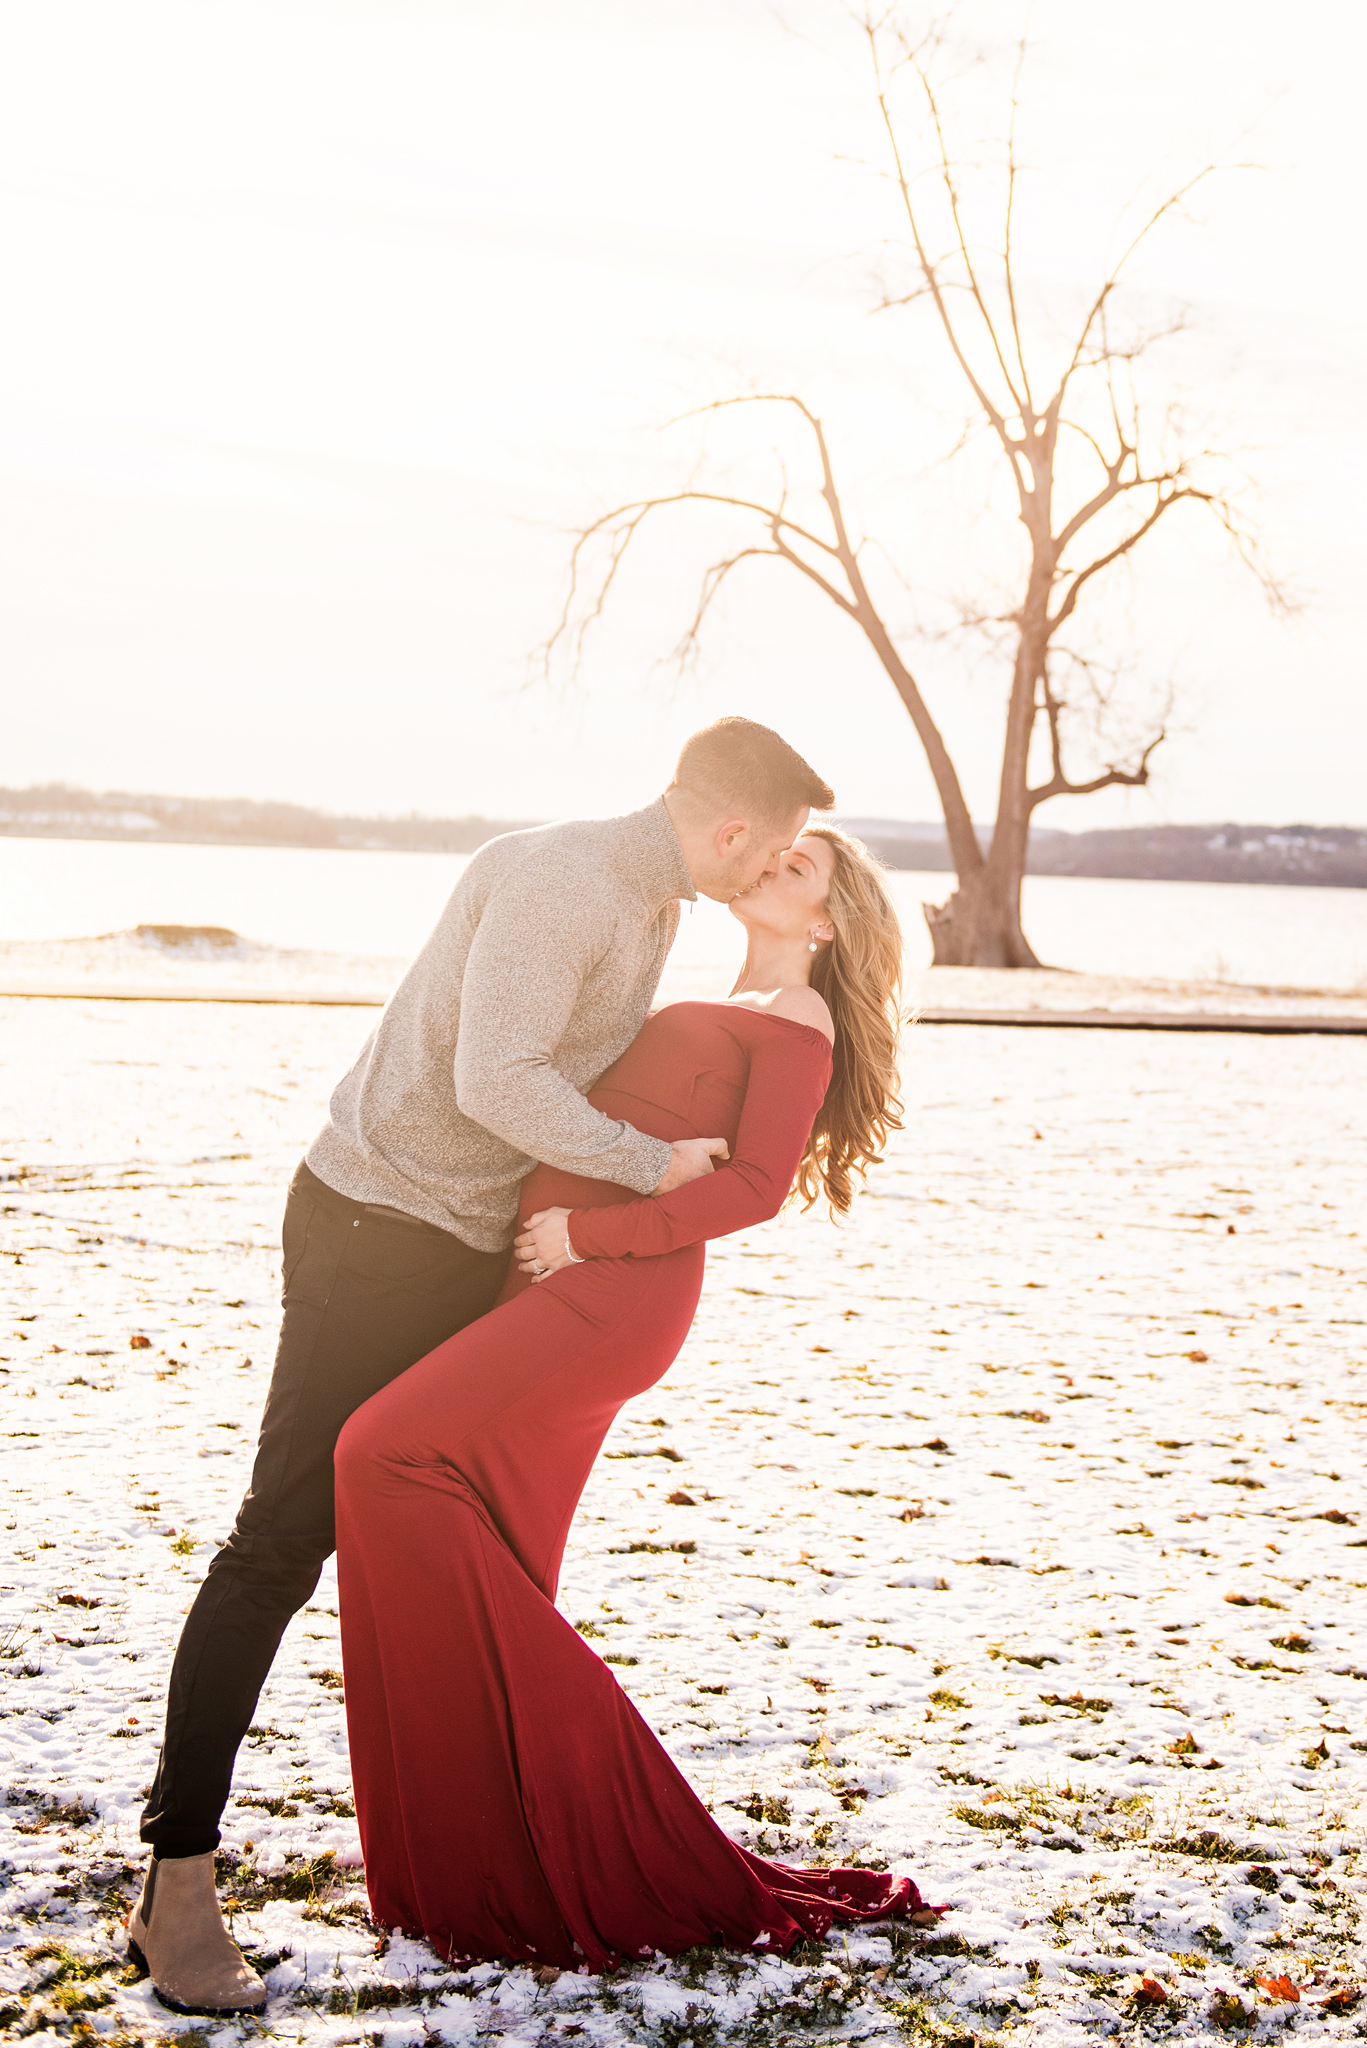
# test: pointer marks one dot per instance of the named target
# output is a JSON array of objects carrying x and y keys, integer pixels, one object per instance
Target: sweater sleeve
[
  {"x": 789, "y": 1075},
  {"x": 526, "y": 968}
]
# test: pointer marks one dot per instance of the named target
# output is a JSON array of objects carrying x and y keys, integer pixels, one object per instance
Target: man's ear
[{"x": 730, "y": 834}]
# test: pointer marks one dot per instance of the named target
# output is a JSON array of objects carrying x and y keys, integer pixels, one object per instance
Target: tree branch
[
  {"x": 1011, "y": 174},
  {"x": 621, "y": 526},
  {"x": 713, "y": 578},
  {"x": 1059, "y": 785},
  {"x": 1084, "y": 576},
  {"x": 1173, "y": 200},
  {"x": 928, "y": 269}
]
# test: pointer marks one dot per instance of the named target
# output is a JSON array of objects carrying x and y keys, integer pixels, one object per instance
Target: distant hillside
[
  {"x": 1325, "y": 856},
  {"x": 56, "y": 812}
]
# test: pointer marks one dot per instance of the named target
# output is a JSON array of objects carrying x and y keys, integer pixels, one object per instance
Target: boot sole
[{"x": 204, "y": 2012}]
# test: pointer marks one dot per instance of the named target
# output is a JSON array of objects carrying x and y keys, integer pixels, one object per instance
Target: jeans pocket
[
  {"x": 294, "y": 1237},
  {"x": 393, "y": 1255}
]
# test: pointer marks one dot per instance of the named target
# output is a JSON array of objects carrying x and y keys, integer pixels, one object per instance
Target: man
[{"x": 537, "y": 977}]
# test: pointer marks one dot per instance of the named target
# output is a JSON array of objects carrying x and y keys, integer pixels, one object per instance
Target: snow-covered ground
[
  {"x": 1024, "y": 1550},
  {"x": 146, "y": 962},
  {"x": 143, "y": 961}
]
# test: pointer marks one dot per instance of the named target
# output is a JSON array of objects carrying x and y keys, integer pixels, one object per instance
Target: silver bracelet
[{"x": 570, "y": 1253}]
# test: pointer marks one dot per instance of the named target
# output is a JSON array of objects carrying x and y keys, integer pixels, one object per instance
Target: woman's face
[{"x": 791, "y": 902}]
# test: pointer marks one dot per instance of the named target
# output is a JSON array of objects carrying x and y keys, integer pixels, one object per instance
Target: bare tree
[{"x": 1052, "y": 415}]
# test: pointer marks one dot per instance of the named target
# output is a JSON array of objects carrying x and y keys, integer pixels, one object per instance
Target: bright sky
[{"x": 324, "y": 317}]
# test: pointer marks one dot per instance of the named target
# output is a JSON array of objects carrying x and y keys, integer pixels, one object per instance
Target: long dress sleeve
[{"x": 790, "y": 1069}]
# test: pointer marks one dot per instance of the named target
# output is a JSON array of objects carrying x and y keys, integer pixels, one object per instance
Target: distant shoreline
[{"x": 1304, "y": 856}]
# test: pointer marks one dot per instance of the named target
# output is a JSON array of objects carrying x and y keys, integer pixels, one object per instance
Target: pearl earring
[{"x": 811, "y": 945}]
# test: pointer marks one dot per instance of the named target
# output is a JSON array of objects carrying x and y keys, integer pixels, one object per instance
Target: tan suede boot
[{"x": 176, "y": 1934}]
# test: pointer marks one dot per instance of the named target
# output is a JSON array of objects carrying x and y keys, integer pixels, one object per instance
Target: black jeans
[{"x": 366, "y": 1295}]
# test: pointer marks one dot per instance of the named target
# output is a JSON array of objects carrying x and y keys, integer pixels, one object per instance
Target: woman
[{"x": 511, "y": 1800}]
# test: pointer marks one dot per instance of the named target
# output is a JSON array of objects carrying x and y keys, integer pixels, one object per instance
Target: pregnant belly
[{"x": 546, "y": 1187}]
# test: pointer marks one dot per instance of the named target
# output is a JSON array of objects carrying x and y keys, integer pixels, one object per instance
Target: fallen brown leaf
[{"x": 1280, "y": 1988}]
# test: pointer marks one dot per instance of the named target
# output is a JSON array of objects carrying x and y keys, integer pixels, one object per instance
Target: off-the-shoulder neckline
[{"x": 744, "y": 1010}]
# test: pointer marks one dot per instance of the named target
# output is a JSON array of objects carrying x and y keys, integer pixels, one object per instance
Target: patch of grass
[
  {"x": 996, "y": 1823},
  {"x": 75, "y": 1814},
  {"x": 696, "y": 2029},
  {"x": 352, "y": 1912},
  {"x": 74, "y": 1998},
  {"x": 309, "y": 1881},
  {"x": 1205, "y": 1843},
  {"x": 69, "y": 1981},
  {"x": 695, "y": 1965},
  {"x": 765, "y": 1806},
  {"x": 353, "y": 1998},
  {"x": 948, "y": 1945},
  {"x": 67, "y": 1966},
  {"x": 949, "y": 1701},
  {"x": 653, "y": 1549},
  {"x": 919, "y": 2023}
]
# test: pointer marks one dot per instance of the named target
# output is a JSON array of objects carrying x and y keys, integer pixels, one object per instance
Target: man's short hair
[{"x": 741, "y": 769}]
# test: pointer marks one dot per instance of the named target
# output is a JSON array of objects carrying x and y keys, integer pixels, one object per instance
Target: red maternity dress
[{"x": 512, "y": 1802}]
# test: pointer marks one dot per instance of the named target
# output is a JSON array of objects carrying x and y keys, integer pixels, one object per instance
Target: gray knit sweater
[{"x": 537, "y": 977}]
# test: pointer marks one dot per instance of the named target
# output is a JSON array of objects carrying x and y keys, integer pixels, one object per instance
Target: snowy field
[{"x": 1024, "y": 1552}]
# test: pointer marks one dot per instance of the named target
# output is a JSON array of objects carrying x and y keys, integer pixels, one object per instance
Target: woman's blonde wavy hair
[{"x": 860, "y": 976}]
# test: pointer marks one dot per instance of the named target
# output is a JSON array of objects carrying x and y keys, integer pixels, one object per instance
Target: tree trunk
[{"x": 980, "y": 925}]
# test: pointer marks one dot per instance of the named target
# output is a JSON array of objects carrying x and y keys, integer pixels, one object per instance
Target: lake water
[{"x": 384, "y": 904}]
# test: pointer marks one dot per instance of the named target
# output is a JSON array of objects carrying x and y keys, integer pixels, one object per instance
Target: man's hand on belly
[{"x": 690, "y": 1159}]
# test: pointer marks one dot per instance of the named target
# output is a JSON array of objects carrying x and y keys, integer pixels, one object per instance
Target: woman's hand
[{"x": 540, "y": 1248}]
